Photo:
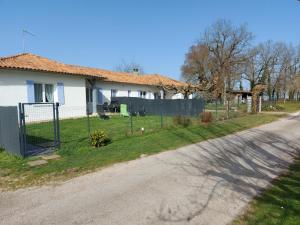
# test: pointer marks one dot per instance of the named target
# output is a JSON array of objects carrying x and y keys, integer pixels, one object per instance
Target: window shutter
[
  {"x": 100, "y": 96},
  {"x": 30, "y": 91},
  {"x": 61, "y": 93}
]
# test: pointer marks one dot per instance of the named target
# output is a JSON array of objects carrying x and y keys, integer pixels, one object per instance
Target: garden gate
[{"x": 39, "y": 128}]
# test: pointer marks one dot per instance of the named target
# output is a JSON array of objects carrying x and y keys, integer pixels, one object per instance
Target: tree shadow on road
[{"x": 243, "y": 163}]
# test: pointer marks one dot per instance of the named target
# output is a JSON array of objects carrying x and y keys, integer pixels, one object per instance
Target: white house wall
[
  {"x": 122, "y": 90},
  {"x": 13, "y": 90},
  {"x": 179, "y": 96}
]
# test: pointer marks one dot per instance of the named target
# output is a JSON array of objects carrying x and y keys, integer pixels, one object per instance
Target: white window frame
[{"x": 44, "y": 92}]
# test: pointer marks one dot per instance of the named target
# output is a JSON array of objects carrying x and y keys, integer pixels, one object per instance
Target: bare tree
[
  {"x": 223, "y": 61},
  {"x": 273, "y": 67},
  {"x": 197, "y": 68},
  {"x": 293, "y": 80},
  {"x": 267, "y": 69},
  {"x": 185, "y": 90},
  {"x": 280, "y": 70},
  {"x": 228, "y": 45},
  {"x": 257, "y": 63},
  {"x": 285, "y": 70},
  {"x": 130, "y": 67}
]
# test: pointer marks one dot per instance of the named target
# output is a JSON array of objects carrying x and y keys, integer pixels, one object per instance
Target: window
[
  {"x": 143, "y": 94},
  {"x": 113, "y": 93},
  {"x": 129, "y": 93},
  {"x": 43, "y": 92},
  {"x": 49, "y": 93},
  {"x": 38, "y": 92}
]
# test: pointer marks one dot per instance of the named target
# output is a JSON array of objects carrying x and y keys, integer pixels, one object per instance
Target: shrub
[
  {"x": 182, "y": 121},
  {"x": 99, "y": 138},
  {"x": 272, "y": 108},
  {"x": 207, "y": 117},
  {"x": 1, "y": 149}
]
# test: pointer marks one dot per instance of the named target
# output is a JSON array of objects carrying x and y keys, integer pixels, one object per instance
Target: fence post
[
  {"x": 249, "y": 104},
  {"x": 259, "y": 104},
  {"x": 131, "y": 125},
  {"x": 216, "y": 109},
  {"x": 228, "y": 109},
  {"x": 21, "y": 131},
  {"x": 130, "y": 117},
  {"x": 161, "y": 120},
  {"x": 54, "y": 124},
  {"x": 24, "y": 129},
  {"x": 57, "y": 124},
  {"x": 88, "y": 124}
]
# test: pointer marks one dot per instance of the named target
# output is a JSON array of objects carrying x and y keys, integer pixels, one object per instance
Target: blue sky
[{"x": 155, "y": 34}]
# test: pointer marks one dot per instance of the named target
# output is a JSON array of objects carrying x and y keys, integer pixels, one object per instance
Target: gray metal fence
[
  {"x": 9, "y": 129},
  {"x": 167, "y": 107},
  {"x": 39, "y": 127}
]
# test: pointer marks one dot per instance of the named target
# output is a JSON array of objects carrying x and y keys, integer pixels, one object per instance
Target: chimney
[{"x": 136, "y": 71}]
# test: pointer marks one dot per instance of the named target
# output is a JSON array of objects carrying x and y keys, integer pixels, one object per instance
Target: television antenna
[{"x": 24, "y": 33}]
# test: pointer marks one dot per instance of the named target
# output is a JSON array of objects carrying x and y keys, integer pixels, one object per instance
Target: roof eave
[{"x": 48, "y": 71}]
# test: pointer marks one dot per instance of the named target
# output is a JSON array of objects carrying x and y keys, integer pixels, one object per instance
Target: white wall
[
  {"x": 180, "y": 96},
  {"x": 134, "y": 88},
  {"x": 13, "y": 90},
  {"x": 122, "y": 90}
]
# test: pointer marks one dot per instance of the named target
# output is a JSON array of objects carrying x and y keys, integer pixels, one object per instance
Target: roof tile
[{"x": 28, "y": 61}]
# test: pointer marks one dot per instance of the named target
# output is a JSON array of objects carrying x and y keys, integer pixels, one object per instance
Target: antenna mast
[{"x": 24, "y": 32}]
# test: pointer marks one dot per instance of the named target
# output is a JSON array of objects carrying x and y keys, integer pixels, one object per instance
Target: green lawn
[
  {"x": 214, "y": 106},
  {"x": 280, "y": 106},
  {"x": 280, "y": 204},
  {"x": 78, "y": 157},
  {"x": 290, "y": 106},
  {"x": 75, "y": 132}
]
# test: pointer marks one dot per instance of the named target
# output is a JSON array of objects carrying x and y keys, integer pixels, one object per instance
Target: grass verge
[
  {"x": 78, "y": 157},
  {"x": 290, "y": 107},
  {"x": 280, "y": 106},
  {"x": 279, "y": 204}
]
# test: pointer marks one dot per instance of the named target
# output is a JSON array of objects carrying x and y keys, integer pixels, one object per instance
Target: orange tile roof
[{"x": 28, "y": 61}]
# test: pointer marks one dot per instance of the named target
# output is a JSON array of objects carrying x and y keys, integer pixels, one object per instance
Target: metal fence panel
[
  {"x": 168, "y": 107},
  {"x": 9, "y": 129},
  {"x": 39, "y": 127}
]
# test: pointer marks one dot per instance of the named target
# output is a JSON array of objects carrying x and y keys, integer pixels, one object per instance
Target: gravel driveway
[{"x": 206, "y": 183}]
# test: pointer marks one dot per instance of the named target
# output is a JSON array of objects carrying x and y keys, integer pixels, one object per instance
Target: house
[
  {"x": 240, "y": 96},
  {"x": 29, "y": 78}
]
